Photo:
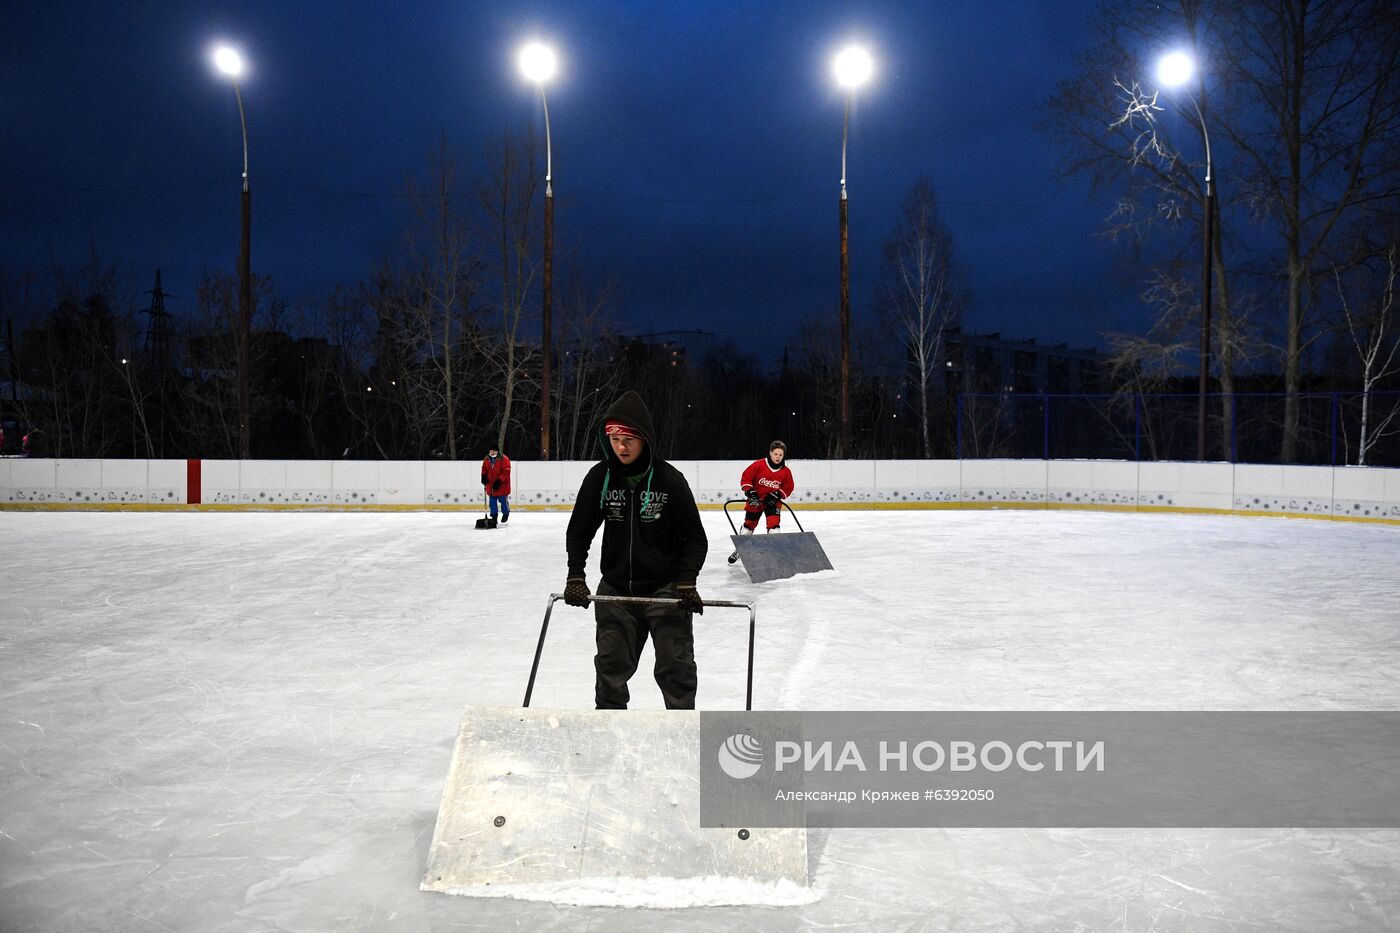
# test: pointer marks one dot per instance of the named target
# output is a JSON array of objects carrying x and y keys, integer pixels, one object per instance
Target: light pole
[
  {"x": 853, "y": 67},
  {"x": 538, "y": 65},
  {"x": 231, "y": 63},
  {"x": 1175, "y": 70}
]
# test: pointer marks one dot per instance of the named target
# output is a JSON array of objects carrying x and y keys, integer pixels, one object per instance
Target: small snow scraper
[
  {"x": 538, "y": 801},
  {"x": 776, "y": 557},
  {"x": 486, "y": 521}
]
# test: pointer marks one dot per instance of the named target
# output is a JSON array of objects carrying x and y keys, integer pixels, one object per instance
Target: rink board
[
  {"x": 779, "y": 556},
  {"x": 539, "y": 796}
]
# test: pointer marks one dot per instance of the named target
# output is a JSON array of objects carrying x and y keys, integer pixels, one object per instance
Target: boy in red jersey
[{"x": 766, "y": 483}]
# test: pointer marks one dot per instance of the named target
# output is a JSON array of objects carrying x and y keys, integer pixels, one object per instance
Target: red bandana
[{"x": 620, "y": 429}]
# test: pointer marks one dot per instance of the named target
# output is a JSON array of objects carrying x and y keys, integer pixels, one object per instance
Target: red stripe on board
[{"x": 194, "y": 487}]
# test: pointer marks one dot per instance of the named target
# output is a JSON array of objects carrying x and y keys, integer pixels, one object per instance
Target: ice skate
[{"x": 733, "y": 558}]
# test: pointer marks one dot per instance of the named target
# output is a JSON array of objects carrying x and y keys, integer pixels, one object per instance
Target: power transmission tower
[{"x": 160, "y": 358}]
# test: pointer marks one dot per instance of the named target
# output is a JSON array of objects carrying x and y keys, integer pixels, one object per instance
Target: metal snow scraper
[
  {"x": 554, "y": 797},
  {"x": 550, "y": 797},
  {"x": 776, "y": 557}
]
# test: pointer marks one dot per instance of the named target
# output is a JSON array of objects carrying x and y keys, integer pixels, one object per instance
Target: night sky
[{"x": 697, "y": 146}]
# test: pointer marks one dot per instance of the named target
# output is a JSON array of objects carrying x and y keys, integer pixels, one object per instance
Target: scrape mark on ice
[{"x": 1183, "y": 886}]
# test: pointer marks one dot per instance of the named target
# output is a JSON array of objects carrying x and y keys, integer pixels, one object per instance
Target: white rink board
[{"x": 1365, "y": 493}]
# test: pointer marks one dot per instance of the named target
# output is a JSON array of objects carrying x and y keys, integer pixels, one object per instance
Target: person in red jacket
[
  {"x": 766, "y": 483},
  {"x": 495, "y": 479}
]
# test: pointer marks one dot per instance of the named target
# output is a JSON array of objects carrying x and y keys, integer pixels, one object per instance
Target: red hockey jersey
[{"x": 761, "y": 476}]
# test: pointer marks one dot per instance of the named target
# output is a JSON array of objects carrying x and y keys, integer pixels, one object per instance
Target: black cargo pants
[{"x": 623, "y": 630}]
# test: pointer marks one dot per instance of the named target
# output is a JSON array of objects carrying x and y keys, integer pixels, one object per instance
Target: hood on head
[{"x": 629, "y": 408}]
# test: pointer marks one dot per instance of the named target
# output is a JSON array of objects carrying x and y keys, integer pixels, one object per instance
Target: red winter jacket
[
  {"x": 764, "y": 478},
  {"x": 498, "y": 472}
]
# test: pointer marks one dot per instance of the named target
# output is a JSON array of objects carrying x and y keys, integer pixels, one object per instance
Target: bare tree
[
  {"x": 740, "y": 400},
  {"x": 313, "y": 390},
  {"x": 399, "y": 399},
  {"x": 507, "y": 201},
  {"x": 363, "y": 332},
  {"x": 819, "y": 365},
  {"x": 435, "y": 301},
  {"x": 1376, "y": 337},
  {"x": 588, "y": 374},
  {"x": 18, "y": 304},
  {"x": 1315, "y": 122},
  {"x": 1116, "y": 132},
  {"x": 210, "y": 399},
  {"x": 983, "y": 418},
  {"x": 918, "y": 293},
  {"x": 1141, "y": 366},
  {"x": 668, "y": 385},
  {"x": 129, "y": 372},
  {"x": 71, "y": 355}
]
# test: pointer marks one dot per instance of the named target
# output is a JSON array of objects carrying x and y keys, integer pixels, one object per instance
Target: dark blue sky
[{"x": 697, "y": 145}]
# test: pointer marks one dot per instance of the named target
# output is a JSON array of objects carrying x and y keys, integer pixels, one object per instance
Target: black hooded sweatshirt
[{"x": 652, "y": 534}]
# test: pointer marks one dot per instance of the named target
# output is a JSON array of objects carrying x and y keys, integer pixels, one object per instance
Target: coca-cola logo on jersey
[{"x": 769, "y": 483}]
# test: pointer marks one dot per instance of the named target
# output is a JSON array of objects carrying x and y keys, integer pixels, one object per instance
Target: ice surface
[{"x": 242, "y": 722}]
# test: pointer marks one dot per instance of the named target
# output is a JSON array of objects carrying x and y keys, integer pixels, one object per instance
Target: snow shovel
[
  {"x": 486, "y": 521},
  {"x": 777, "y": 556},
  {"x": 545, "y": 803}
]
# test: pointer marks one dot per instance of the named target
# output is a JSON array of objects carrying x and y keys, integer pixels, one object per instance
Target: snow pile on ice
[{"x": 659, "y": 892}]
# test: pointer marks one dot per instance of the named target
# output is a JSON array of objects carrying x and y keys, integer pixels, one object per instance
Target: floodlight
[
  {"x": 1175, "y": 69},
  {"x": 537, "y": 62},
  {"x": 228, "y": 61},
  {"x": 853, "y": 66}
]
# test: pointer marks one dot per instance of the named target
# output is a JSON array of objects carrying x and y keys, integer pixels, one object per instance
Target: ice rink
[{"x": 242, "y": 721}]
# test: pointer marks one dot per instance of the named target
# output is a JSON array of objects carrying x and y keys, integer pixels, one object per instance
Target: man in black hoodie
[{"x": 653, "y": 546}]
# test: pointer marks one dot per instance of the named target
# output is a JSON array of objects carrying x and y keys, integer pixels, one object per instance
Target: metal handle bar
[
  {"x": 655, "y": 601},
  {"x": 783, "y": 502},
  {"x": 718, "y": 604}
]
